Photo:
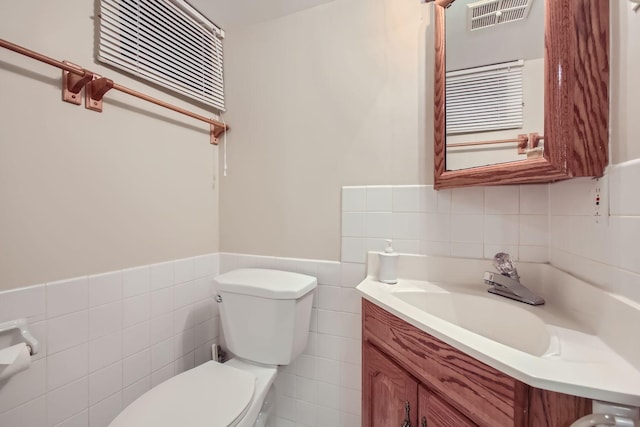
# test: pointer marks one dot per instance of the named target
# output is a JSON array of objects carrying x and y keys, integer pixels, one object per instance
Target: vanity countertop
[{"x": 590, "y": 351}]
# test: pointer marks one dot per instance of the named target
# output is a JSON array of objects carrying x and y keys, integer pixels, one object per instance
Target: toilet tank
[{"x": 265, "y": 313}]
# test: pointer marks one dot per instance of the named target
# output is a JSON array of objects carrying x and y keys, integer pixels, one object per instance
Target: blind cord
[{"x": 224, "y": 148}]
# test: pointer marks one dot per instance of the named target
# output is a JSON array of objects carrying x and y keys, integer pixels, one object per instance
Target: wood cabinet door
[
  {"x": 389, "y": 393},
  {"x": 483, "y": 394},
  {"x": 435, "y": 412}
]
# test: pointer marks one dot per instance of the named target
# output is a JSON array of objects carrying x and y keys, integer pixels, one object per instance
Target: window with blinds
[
  {"x": 166, "y": 42},
  {"x": 484, "y": 98}
]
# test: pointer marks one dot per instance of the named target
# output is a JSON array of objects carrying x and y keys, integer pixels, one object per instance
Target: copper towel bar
[
  {"x": 524, "y": 142},
  {"x": 76, "y": 77}
]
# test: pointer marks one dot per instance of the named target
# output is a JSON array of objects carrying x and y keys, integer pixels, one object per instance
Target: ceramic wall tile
[
  {"x": 354, "y": 224},
  {"x": 136, "y": 309},
  {"x": 502, "y": 229},
  {"x": 354, "y": 199},
  {"x": 135, "y": 390},
  {"x": 534, "y": 199},
  {"x": 353, "y": 250},
  {"x": 32, "y": 413},
  {"x": 67, "y": 331},
  {"x": 379, "y": 199},
  {"x": 571, "y": 197},
  {"x": 407, "y": 226},
  {"x": 105, "y": 319},
  {"x": 623, "y": 188},
  {"x": 67, "y": 296},
  {"x": 184, "y": 270},
  {"x": 24, "y": 387},
  {"x": 406, "y": 198},
  {"x": 67, "y": 401},
  {"x": 428, "y": 199},
  {"x": 467, "y": 250},
  {"x": 467, "y": 200},
  {"x": 96, "y": 338},
  {"x": 135, "y": 281},
  {"x": 105, "y": 351},
  {"x": 102, "y": 413},
  {"x": 67, "y": 366},
  {"x": 444, "y": 203},
  {"x": 467, "y": 228},
  {"x": 502, "y": 200},
  {"x": 534, "y": 230},
  {"x": 161, "y": 275},
  {"x": 105, "y": 382},
  {"x": 162, "y": 302},
  {"x": 379, "y": 224},
  {"x": 135, "y": 339},
  {"x": 105, "y": 288},
  {"x": 29, "y": 302}
]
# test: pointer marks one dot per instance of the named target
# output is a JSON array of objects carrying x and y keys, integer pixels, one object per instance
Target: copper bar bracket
[
  {"x": 95, "y": 91},
  {"x": 534, "y": 150},
  {"x": 523, "y": 143},
  {"x": 216, "y": 131},
  {"x": 534, "y": 139},
  {"x": 73, "y": 83}
]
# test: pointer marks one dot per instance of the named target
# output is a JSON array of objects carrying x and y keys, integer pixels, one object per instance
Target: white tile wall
[
  {"x": 541, "y": 223},
  {"x": 600, "y": 249},
  {"x": 469, "y": 222},
  {"x": 105, "y": 339}
]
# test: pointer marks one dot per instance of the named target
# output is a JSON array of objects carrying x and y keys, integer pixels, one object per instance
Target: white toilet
[{"x": 265, "y": 318}]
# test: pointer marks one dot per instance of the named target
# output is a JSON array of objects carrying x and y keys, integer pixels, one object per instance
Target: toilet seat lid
[{"x": 211, "y": 395}]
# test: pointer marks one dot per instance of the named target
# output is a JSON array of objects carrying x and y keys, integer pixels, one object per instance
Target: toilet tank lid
[{"x": 266, "y": 283}]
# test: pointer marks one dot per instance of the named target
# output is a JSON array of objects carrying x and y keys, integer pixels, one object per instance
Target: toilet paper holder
[{"x": 22, "y": 326}]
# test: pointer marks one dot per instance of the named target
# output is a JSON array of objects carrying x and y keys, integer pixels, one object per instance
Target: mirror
[
  {"x": 494, "y": 82},
  {"x": 573, "y": 140}
]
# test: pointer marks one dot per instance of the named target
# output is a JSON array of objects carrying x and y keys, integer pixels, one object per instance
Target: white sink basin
[
  {"x": 581, "y": 342},
  {"x": 500, "y": 321}
]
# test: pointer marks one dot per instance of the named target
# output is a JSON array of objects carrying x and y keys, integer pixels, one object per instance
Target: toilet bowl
[{"x": 265, "y": 317}]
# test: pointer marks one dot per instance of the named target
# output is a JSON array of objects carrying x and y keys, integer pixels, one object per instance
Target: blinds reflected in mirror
[{"x": 484, "y": 98}]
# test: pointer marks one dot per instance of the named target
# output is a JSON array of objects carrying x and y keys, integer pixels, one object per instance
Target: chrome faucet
[{"x": 506, "y": 283}]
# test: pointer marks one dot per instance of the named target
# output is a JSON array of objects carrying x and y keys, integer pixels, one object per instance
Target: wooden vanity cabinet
[
  {"x": 397, "y": 399},
  {"x": 393, "y": 392},
  {"x": 435, "y": 412},
  {"x": 444, "y": 387}
]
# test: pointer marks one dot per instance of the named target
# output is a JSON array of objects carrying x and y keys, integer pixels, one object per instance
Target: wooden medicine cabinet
[{"x": 576, "y": 99}]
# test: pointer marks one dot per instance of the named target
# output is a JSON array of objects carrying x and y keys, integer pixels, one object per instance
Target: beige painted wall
[
  {"x": 625, "y": 87},
  {"x": 83, "y": 192},
  {"x": 319, "y": 99}
]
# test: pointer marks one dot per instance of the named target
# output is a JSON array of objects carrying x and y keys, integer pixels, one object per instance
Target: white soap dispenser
[{"x": 388, "y": 265}]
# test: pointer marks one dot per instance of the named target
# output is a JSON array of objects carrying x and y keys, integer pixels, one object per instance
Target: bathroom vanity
[
  {"x": 439, "y": 351},
  {"x": 444, "y": 386}
]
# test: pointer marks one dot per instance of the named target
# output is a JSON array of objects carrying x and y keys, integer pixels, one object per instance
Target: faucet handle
[
  {"x": 491, "y": 278},
  {"x": 503, "y": 263}
]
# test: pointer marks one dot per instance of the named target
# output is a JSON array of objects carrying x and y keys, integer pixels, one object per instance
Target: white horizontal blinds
[
  {"x": 159, "y": 41},
  {"x": 484, "y": 98}
]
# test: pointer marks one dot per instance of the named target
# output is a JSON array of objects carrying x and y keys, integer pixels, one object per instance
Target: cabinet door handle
[
  {"x": 407, "y": 416},
  {"x": 423, "y": 422}
]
